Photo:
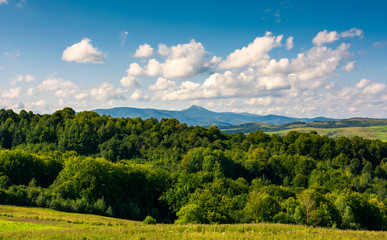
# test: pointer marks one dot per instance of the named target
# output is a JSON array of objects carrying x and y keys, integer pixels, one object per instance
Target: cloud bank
[{"x": 252, "y": 78}]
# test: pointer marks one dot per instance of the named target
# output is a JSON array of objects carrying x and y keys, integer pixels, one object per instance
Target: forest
[{"x": 173, "y": 173}]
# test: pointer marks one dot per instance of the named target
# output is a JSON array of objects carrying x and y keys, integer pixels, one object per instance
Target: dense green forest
[{"x": 134, "y": 168}]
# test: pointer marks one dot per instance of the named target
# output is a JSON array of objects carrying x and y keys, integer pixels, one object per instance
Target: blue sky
[{"x": 294, "y": 58}]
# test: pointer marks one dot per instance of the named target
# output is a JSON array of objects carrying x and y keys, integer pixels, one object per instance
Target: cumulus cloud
[
  {"x": 60, "y": 87},
  {"x": 107, "y": 91},
  {"x": 20, "y": 78},
  {"x": 180, "y": 61},
  {"x": 324, "y": 37},
  {"x": 3, "y": 2},
  {"x": 365, "y": 98},
  {"x": 308, "y": 70},
  {"x": 363, "y": 92},
  {"x": 130, "y": 81},
  {"x": 353, "y": 32},
  {"x": 349, "y": 66},
  {"x": 261, "y": 101},
  {"x": 139, "y": 96},
  {"x": 36, "y": 105},
  {"x": 135, "y": 69},
  {"x": 289, "y": 43},
  {"x": 248, "y": 79},
  {"x": 144, "y": 51},
  {"x": 83, "y": 52},
  {"x": 11, "y": 93},
  {"x": 255, "y": 54}
]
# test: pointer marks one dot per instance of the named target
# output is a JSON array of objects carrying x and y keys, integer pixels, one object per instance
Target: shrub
[{"x": 149, "y": 220}]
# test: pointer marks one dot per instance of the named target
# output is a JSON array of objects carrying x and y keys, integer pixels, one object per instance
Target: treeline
[{"x": 133, "y": 168}]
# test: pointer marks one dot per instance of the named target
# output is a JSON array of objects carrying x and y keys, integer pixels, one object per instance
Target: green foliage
[
  {"x": 261, "y": 207},
  {"x": 150, "y": 220},
  {"x": 133, "y": 168}
]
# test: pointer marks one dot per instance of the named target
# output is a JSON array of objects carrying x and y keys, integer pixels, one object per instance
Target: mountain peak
[{"x": 195, "y": 107}]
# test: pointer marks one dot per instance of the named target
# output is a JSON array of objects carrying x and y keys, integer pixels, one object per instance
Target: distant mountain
[{"x": 199, "y": 116}]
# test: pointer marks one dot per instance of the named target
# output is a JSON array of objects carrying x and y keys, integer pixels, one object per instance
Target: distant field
[
  {"x": 374, "y": 132},
  {"x": 35, "y": 223}
]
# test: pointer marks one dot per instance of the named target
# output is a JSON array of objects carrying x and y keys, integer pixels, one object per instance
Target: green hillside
[
  {"x": 362, "y": 127},
  {"x": 375, "y": 132},
  {"x": 37, "y": 223}
]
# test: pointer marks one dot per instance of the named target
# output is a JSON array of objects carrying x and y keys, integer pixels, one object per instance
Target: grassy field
[
  {"x": 35, "y": 223},
  {"x": 375, "y": 132}
]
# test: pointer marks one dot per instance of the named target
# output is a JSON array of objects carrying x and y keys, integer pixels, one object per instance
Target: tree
[{"x": 261, "y": 207}]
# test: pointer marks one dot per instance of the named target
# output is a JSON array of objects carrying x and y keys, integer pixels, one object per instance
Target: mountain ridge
[{"x": 200, "y": 116}]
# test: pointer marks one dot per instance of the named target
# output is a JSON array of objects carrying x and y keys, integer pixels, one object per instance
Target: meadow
[
  {"x": 372, "y": 132},
  {"x": 37, "y": 223}
]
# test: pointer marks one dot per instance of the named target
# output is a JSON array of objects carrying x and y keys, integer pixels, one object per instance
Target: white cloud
[
  {"x": 59, "y": 87},
  {"x": 36, "y": 105},
  {"x": 364, "y": 97},
  {"x": 318, "y": 62},
  {"x": 163, "y": 50},
  {"x": 353, "y": 32},
  {"x": 31, "y": 92},
  {"x": 135, "y": 69},
  {"x": 330, "y": 86},
  {"x": 182, "y": 60},
  {"x": 107, "y": 91},
  {"x": 139, "y": 96},
  {"x": 289, "y": 43},
  {"x": 364, "y": 82},
  {"x": 325, "y": 37},
  {"x": 11, "y": 93},
  {"x": 3, "y": 2},
  {"x": 144, "y": 51},
  {"x": 20, "y": 78},
  {"x": 130, "y": 81},
  {"x": 349, "y": 66},
  {"x": 329, "y": 37},
  {"x": 83, "y": 52},
  {"x": 255, "y": 54},
  {"x": 374, "y": 88},
  {"x": 249, "y": 80},
  {"x": 261, "y": 101},
  {"x": 305, "y": 73}
]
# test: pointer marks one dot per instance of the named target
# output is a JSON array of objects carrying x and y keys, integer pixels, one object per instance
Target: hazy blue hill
[{"x": 199, "y": 116}]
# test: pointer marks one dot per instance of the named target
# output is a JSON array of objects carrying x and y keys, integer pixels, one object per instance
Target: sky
[{"x": 293, "y": 58}]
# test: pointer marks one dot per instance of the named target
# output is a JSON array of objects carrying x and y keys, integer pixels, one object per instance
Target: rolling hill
[{"x": 363, "y": 127}]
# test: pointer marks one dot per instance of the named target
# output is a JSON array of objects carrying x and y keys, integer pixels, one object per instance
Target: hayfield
[{"x": 36, "y": 223}]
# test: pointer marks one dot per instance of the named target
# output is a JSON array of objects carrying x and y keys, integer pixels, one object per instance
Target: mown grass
[
  {"x": 380, "y": 132},
  {"x": 35, "y": 223},
  {"x": 375, "y": 132}
]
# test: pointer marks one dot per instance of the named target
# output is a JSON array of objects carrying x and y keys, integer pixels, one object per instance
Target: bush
[{"x": 149, "y": 220}]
